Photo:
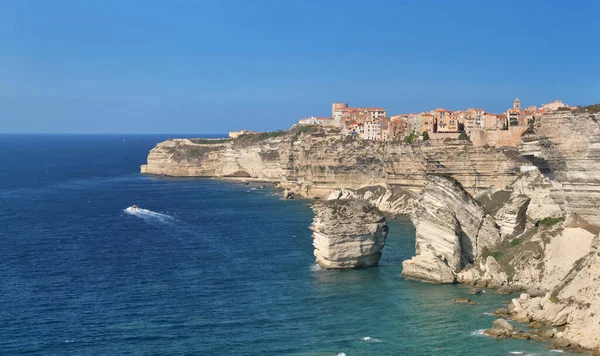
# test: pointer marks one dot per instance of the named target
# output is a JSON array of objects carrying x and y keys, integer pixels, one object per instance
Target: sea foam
[
  {"x": 315, "y": 268},
  {"x": 370, "y": 339}
]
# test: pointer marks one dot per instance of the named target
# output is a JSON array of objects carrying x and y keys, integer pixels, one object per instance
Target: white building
[{"x": 372, "y": 130}]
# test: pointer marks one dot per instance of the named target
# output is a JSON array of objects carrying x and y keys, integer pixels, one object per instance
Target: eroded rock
[
  {"x": 347, "y": 234},
  {"x": 452, "y": 229}
]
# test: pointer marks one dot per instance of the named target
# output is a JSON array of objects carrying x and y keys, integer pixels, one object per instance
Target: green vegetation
[
  {"x": 563, "y": 109},
  {"x": 464, "y": 136},
  {"x": 425, "y": 136},
  {"x": 209, "y": 141},
  {"x": 296, "y": 131},
  {"x": 554, "y": 299},
  {"x": 252, "y": 138},
  {"x": 592, "y": 109},
  {"x": 486, "y": 252},
  {"x": 515, "y": 242},
  {"x": 410, "y": 138},
  {"x": 550, "y": 221}
]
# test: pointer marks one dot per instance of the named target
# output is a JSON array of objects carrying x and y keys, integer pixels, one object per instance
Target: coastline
[{"x": 511, "y": 202}]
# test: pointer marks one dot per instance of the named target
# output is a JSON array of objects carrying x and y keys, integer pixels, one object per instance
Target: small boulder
[
  {"x": 536, "y": 324},
  {"x": 502, "y": 312},
  {"x": 521, "y": 336},
  {"x": 521, "y": 317},
  {"x": 560, "y": 343},
  {"x": 501, "y": 329},
  {"x": 481, "y": 283},
  {"x": 504, "y": 290},
  {"x": 461, "y": 300},
  {"x": 538, "y": 338},
  {"x": 503, "y": 324},
  {"x": 476, "y": 291}
]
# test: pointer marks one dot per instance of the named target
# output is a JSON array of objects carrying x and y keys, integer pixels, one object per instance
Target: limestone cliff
[
  {"x": 313, "y": 162},
  {"x": 566, "y": 149},
  {"x": 347, "y": 234},
  {"x": 390, "y": 200},
  {"x": 452, "y": 229}
]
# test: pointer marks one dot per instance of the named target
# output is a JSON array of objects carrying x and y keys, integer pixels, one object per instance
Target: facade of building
[
  {"x": 427, "y": 123},
  {"x": 344, "y": 114},
  {"x": 446, "y": 121},
  {"x": 325, "y": 121},
  {"x": 235, "y": 134},
  {"x": 553, "y": 106},
  {"x": 372, "y": 130}
]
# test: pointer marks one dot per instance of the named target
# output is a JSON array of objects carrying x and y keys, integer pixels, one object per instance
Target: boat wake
[
  {"x": 148, "y": 215},
  {"x": 370, "y": 339}
]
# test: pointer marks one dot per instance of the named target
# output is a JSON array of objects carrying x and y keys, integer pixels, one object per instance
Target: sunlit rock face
[
  {"x": 313, "y": 164},
  {"x": 389, "y": 200},
  {"x": 566, "y": 149},
  {"x": 451, "y": 228},
  {"x": 347, "y": 234}
]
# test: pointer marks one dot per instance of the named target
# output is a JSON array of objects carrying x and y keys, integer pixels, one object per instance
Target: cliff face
[
  {"x": 452, "y": 228},
  {"x": 347, "y": 234},
  {"x": 314, "y": 163},
  {"x": 566, "y": 148},
  {"x": 389, "y": 200}
]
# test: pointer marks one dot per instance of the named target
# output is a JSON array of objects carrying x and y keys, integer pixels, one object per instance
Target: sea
[{"x": 206, "y": 267}]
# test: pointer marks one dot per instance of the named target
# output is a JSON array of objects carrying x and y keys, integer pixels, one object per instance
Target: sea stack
[{"x": 347, "y": 234}]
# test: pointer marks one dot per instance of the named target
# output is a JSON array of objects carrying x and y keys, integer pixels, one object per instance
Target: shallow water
[{"x": 208, "y": 268}]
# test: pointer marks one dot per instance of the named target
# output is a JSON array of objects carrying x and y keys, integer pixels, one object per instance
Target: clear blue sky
[{"x": 129, "y": 66}]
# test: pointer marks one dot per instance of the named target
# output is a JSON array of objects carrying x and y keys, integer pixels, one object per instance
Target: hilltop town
[{"x": 474, "y": 124}]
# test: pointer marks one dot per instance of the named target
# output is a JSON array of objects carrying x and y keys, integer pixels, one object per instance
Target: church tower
[{"x": 517, "y": 104}]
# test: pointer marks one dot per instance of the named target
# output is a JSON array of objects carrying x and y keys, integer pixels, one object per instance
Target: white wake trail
[{"x": 149, "y": 215}]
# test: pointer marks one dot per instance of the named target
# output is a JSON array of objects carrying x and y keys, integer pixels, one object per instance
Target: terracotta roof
[{"x": 442, "y": 110}]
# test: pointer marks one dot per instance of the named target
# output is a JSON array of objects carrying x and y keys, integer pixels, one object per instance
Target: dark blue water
[{"x": 211, "y": 268}]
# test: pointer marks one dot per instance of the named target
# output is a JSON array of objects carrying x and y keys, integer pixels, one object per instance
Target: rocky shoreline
[{"x": 525, "y": 220}]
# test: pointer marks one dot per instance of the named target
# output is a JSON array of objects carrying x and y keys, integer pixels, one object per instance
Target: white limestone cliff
[
  {"x": 389, "y": 200},
  {"x": 347, "y": 234},
  {"x": 451, "y": 228}
]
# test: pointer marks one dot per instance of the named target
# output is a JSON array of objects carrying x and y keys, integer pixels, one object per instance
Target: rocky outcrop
[
  {"x": 502, "y": 329},
  {"x": 312, "y": 162},
  {"x": 512, "y": 217},
  {"x": 451, "y": 228},
  {"x": 347, "y": 234},
  {"x": 542, "y": 193},
  {"x": 566, "y": 149},
  {"x": 390, "y": 200},
  {"x": 428, "y": 268},
  {"x": 486, "y": 272}
]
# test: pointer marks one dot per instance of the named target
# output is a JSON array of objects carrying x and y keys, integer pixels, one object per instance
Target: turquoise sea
[{"x": 209, "y": 268}]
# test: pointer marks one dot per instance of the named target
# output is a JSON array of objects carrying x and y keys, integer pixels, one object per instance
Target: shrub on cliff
[
  {"x": 550, "y": 221},
  {"x": 410, "y": 138},
  {"x": 464, "y": 136},
  {"x": 253, "y": 138},
  {"x": 425, "y": 136},
  {"x": 298, "y": 130},
  {"x": 592, "y": 109}
]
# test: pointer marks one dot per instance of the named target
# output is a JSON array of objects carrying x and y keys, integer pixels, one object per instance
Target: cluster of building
[{"x": 375, "y": 124}]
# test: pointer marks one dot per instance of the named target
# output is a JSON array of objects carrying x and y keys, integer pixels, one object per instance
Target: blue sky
[{"x": 214, "y": 66}]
